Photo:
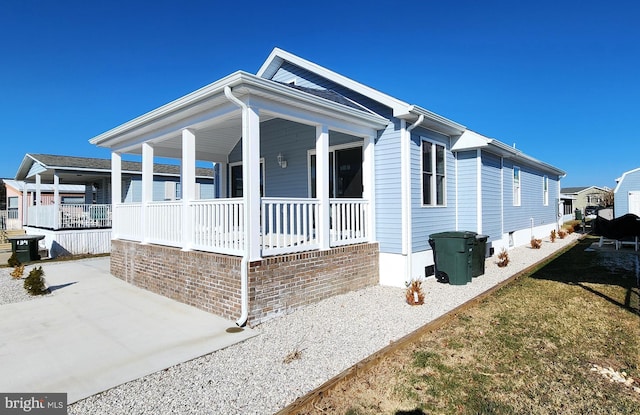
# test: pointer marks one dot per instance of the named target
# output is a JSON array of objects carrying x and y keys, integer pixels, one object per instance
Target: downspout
[
  {"x": 407, "y": 194},
  {"x": 244, "y": 269}
]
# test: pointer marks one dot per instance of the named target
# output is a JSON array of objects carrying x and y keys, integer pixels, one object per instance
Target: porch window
[
  {"x": 345, "y": 172},
  {"x": 433, "y": 174},
  {"x": 545, "y": 190},
  {"x": 516, "y": 186},
  {"x": 235, "y": 179}
]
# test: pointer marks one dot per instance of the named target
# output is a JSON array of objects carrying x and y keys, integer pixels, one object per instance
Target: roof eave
[{"x": 237, "y": 81}]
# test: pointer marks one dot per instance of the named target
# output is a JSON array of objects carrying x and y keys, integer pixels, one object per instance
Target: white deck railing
[
  {"x": 218, "y": 225},
  {"x": 128, "y": 223},
  {"x": 288, "y": 225},
  {"x": 70, "y": 216},
  {"x": 164, "y": 223},
  {"x": 348, "y": 221}
]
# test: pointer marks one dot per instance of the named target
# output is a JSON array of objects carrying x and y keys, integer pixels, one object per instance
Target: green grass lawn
[{"x": 527, "y": 349}]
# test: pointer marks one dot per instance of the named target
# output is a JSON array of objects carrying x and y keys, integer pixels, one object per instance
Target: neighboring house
[
  {"x": 68, "y": 199},
  {"x": 586, "y": 196},
  {"x": 20, "y": 194},
  {"x": 626, "y": 195},
  {"x": 327, "y": 185}
]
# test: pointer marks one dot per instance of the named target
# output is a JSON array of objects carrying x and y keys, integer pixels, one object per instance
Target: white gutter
[
  {"x": 244, "y": 269},
  {"x": 406, "y": 193}
]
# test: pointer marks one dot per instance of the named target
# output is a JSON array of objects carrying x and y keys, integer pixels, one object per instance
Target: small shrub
[
  {"x": 13, "y": 260},
  {"x": 536, "y": 243},
  {"x": 503, "y": 258},
  {"x": 553, "y": 235},
  {"x": 562, "y": 234},
  {"x": 414, "y": 294},
  {"x": 18, "y": 272},
  {"x": 34, "y": 283}
]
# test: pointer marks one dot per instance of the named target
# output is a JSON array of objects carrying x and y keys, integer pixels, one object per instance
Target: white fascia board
[
  {"x": 242, "y": 83},
  {"x": 432, "y": 121},
  {"x": 170, "y": 108},
  {"x": 277, "y": 56},
  {"x": 509, "y": 152}
]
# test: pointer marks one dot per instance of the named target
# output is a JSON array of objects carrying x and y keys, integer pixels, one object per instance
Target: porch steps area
[{"x": 5, "y": 245}]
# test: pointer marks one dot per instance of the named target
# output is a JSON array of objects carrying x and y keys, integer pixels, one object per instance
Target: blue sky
[{"x": 560, "y": 80}]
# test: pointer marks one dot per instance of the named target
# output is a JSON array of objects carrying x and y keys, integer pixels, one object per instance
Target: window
[
  {"x": 433, "y": 174},
  {"x": 516, "y": 186},
  {"x": 545, "y": 190},
  {"x": 345, "y": 172},
  {"x": 12, "y": 208},
  {"x": 235, "y": 179}
]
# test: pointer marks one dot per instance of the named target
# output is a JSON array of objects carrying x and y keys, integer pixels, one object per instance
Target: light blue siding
[
  {"x": 293, "y": 141},
  {"x": 430, "y": 219},
  {"x": 467, "y": 167},
  {"x": 532, "y": 210},
  {"x": 491, "y": 200},
  {"x": 630, "y": 183},
  {"x": 388, "y": 190}
]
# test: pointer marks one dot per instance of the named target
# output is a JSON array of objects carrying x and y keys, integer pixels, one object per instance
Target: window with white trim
[
  {"x": 516, "y": 186},
  {"x": 433, "y": 174},
  {"x": 545, "y": 190}
]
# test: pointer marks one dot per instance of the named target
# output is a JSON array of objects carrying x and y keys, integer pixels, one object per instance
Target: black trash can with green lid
[
  {"x": 453, "y": 255},
  {"x": 479, "y": 255},
  {"x": 25, "y": 247}
]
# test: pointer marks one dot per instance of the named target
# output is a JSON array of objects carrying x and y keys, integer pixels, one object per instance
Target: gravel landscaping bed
[{"x": 293, "y": 354}]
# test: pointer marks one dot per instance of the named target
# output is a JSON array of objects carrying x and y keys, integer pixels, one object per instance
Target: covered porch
[
  {"x": 305, "y": 161},
  {"x": 295, "y": 198}
]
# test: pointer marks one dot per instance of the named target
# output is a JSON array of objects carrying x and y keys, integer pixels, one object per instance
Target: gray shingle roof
[{"x": 98, "y": 164}]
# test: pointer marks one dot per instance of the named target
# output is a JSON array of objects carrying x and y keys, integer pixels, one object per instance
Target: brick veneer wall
[{"x": 278, "y": 284}]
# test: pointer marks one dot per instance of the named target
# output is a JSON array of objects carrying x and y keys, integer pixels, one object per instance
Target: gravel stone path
[{"x": 295, "y": 353}]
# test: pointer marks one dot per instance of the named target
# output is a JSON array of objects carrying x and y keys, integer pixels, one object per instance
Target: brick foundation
[{"x": 277, "y": 285}]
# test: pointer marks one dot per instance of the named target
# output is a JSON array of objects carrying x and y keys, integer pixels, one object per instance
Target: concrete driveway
[{"x": 95, "y": 332}]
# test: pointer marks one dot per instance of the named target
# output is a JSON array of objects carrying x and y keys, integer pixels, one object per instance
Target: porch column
[
  {"x": 56, "y": 201},
  {"x": 36, "y": 220},
  {"x": 368, "y": 182},
  {"x": 147, "y": 188},
  {"x": 116, "y": 190},
  {"x": 25, "y": 204},
  {"x": 188, "y": 182},
  {"x": 251, "y": 180},
  {"x": 322, "y": 185}
]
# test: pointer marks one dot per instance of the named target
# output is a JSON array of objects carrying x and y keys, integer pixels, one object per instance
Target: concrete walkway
[{"x": 95, "y": 332}]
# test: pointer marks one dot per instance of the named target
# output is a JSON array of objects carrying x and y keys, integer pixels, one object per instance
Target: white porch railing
[
  {"x": 164, "y": 223},
  {"x": 84, "y": 216},
  {"x": 218, "y": 225},
  {"x": 128, "y": 224},
  {"x": 72, "y": 216},
  {"x": 288, "y": 225},
  {"x": 348, "y": 221}
]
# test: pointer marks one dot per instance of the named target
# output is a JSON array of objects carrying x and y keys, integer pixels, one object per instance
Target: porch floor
[{"x": 96, "y": 332}]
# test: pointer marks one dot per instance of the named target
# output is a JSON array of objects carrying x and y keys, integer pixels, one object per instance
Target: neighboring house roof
[
  {"x": 33, "y": 164},
  {"x": 624, "y": 175},
  {"x": 581, "y": 189},
  {"x": 20, "y": 186}
]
